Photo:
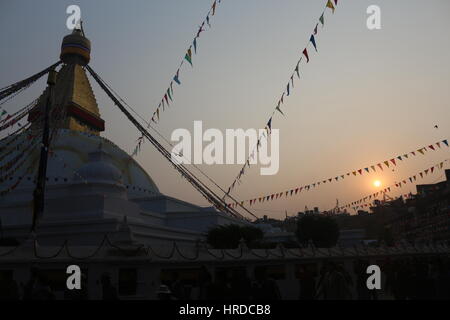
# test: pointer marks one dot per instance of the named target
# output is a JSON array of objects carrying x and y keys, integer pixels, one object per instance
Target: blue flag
[
  {"x": 313, "y": 41},
  {"x": 175, "y": 78}
]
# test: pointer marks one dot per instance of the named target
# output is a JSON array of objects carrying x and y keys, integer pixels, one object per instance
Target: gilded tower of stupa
[{"x": 72, "y": 89}]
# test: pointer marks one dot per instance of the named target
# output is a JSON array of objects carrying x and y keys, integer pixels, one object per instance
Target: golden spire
[{"x": 73, "y": 90}]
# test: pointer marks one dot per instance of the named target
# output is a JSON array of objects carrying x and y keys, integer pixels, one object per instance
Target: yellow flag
[{"x": 330, "y": 5}]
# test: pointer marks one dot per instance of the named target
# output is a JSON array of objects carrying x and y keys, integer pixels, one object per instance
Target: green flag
[
  {"x": 321, "y": 19},
  {"x": 279, "y": 110},
  {"x": 188, "y": 56}
]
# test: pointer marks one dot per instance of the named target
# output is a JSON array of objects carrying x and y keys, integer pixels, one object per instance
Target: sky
[{"x": 364, "y": 97}]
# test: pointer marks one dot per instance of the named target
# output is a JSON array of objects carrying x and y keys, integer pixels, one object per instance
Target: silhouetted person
[
  {"x": 29, "y": 286},
  {"x": 443, "y": 284},
  {"x": 265, "y": 288},
  {"x": 221, "y": 289},
  {"x": 335, "y": 283},
  {"x": 363, "y": 293},
  {"x": 403, "y": 282},
  {"x": 42, "y": 289},
  {"x": 78, "y": 294},
  {"x": 433, "y": 277},
  {"x": 177, "y": 287},
  {"x": 420, "y": 287},
  {"x": 307, "y": 283},
  {"x": 37, "y": 287},
  {"x": 241, "y": 287},
  {"x": 389, "y": 270},
  {"x": 109, "y": 292},
  {"x": 8, "y": 288},
  {"x": 204, "y": 284}
]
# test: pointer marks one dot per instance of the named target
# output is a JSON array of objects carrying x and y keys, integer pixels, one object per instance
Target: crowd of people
[
  {"x": 404, "y": 278},
  {"x": 412, "y": 278},
  {"x": 401, "y": 279},
  {"x": 231, "y": 284},
  {"x": 39, "y": 287}
]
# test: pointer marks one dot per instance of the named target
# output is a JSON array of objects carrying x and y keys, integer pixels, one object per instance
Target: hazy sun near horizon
[{"x": 377, "y": 183}]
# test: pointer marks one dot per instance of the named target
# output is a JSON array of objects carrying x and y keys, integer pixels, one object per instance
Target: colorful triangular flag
[
  {"x": 313, "y": 41},
  {"x": 305, "y": 52},
  {"x": 330, "y": 5},
  {"x": 322, "y": 20},
  {"x": 188, "y": 56}
]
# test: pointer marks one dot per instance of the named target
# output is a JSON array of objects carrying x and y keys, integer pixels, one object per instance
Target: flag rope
[
  {"x": 287, "y": 92},
  {"x": 372, "y": 168}
]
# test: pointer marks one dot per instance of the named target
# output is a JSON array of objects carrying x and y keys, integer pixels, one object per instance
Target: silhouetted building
[
  {"x": 351, "y": 237},
  {"x": 424, "y": 217}
]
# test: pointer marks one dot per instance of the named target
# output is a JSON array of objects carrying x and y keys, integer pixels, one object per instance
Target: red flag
[
  {"x": 393, "y": 161},
  {"x": 305, "y": 52},
  {"x": 214, "y": 7}
]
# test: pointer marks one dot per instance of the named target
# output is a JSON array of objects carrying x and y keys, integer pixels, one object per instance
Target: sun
[{"x": 377, "y": 183}]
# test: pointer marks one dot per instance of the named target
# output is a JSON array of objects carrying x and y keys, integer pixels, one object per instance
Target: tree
[
  {"x": 322, "y": 230},
  {"x": 228, "y": 236}
]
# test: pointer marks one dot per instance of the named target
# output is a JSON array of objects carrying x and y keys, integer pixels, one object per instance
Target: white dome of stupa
[{"x": 99, "y": 169}]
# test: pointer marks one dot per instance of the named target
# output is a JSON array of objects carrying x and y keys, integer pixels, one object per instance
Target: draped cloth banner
[
  {"x": 361, "y": 203},
  {"x": 287, "y": 92},
  {"x": 381, "y": 166}
]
